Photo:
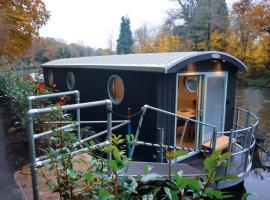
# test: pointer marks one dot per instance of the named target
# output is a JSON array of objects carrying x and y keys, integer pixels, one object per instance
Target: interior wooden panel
[{"x": 117, "y": 89}]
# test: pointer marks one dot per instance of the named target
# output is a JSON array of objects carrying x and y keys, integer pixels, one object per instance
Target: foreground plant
[{"x": 106, "y": 179}]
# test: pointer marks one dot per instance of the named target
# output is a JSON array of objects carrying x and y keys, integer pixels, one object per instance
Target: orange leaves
[
  {"x": 20, "y": 20},
  {"x": 41, "y": 88},
  {"x": 62, "y": 100}
]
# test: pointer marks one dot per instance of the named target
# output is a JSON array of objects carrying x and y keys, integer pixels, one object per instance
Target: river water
[{"x": 257, "y": 100}]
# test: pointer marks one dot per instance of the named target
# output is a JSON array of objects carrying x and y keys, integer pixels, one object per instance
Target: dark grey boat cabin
[
  {"x": 181, "y": 99},
  {"x": 196, "y": 85}
]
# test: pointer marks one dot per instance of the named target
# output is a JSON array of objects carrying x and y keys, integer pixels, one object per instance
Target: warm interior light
[
  {"x": 191, "y": 67},
  {"x": 218, "y": 66}
]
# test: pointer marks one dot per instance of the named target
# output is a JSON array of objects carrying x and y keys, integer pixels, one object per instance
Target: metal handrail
[
  {"x": 249, "y": 130},
  {"x": 32, "y": 113},
  {"x": 144, "y": 109}
]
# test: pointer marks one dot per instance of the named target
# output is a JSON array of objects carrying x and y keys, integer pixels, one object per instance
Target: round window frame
[
  {"x": 72, "y": 76},
  {"x": 51, "y": 78},
  {"x": 112, "y": 77},
  {"x": 186, "y": 84}
]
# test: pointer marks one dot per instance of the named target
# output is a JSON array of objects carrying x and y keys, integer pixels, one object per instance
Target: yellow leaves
[
  {"x": 167, "y": 43},
  {"x": 219, "y": 41},
  {"x": 150, "y": 40},
  {"x": 20, "y": 20}
]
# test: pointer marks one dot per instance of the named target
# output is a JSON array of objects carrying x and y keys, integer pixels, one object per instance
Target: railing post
[
  {"x": 109, "y": 124},
  {"x": 237, "y": 118},
  {"x": 32, "y": 155},
  {"x": 129, "y": 130},
  {"x": 254, "y": 134},
  {"x": 161, "y": 141},
  {"x": 248, "y": 147},
  {"x": 247, "y": 119},
  {"x": 246, "y": 141},
  {"x": 78, "y": 115},
  {"x": 214, "y": 140},
  {"x": 229, "y": 149},
  {"x": 230, "y": 141}
]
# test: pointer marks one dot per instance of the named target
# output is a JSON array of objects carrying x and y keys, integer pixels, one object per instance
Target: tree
[
  {"x": 125, "y": 41},
  {"x": 243, "y": 27},
  {"x": 200, "y": 18},
  {"x": 211, "y": 16},
  {"x": 144, "y": 39},
  {"x": 20, "y": 21}
]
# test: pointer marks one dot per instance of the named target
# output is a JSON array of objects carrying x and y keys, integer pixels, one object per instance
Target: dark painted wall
[{"x": 141, "y": 88}]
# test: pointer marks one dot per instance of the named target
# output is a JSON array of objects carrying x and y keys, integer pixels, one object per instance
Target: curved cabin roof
[{"x": 150, "y": 62}]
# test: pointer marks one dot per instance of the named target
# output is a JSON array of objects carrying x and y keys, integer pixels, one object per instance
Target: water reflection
[{"x": 257, "y": 100}]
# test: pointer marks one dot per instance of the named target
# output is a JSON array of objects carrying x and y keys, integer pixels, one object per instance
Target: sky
[{"x": 92, "y": 22}]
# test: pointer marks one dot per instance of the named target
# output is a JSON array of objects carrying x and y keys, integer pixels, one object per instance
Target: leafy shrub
[
  {"x": 105, "y": 179},
  {"x": 15, "y": 89}
]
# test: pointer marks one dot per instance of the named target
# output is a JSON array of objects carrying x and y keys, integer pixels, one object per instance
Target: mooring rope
[{"x": 125, "y": 116}]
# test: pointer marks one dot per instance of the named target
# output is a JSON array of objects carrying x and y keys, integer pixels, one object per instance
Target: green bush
[{"x": 14, "y": 90}]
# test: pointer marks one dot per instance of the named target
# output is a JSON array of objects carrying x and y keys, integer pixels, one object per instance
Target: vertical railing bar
[
  {"x": 237, "y": 118},
  {"x": 246, "y": 132},
  {"x": 229, "y": 149},
  {"x": 214, "y": 140},
  {"x": 32, "y": 156},
  {"x": 129, "y": 131},
  {"x": 254, "y": 134},
  {"x": 247, "y": 119},
  {"x": 78, "y": 115},
  {"x": 230, "y": 141},
  {"x": 183, "y": 132},
  {"x": 109, "y": 125},
  {"x": 248, "y": 147},
  {"x": 161, "y": 142}
]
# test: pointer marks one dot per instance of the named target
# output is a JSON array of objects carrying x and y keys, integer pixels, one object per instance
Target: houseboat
[{"x": 184, "y": 100}]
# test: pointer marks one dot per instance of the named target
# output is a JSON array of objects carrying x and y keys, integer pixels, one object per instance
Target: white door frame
[{"x": 198, "y": 138}]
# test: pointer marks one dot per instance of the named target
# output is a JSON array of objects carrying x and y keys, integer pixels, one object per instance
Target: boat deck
[{"x": 192, "y": 167}]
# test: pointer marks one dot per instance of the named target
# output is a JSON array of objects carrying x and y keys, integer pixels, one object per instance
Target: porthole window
[
  {"x": 191, "y": 83},
  {"x": 70, "y": 81},
  {"x": 115, "y": 88},
  {"x": 50, "y": 78}
]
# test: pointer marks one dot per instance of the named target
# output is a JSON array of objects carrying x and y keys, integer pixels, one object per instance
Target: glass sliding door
[{"x": 214, "y": 103}]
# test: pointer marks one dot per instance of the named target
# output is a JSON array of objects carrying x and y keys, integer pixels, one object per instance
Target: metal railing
[
  {"x": 36, "y": 162},
  {"x": 245, "y": 125},
  {"x": 243, "y": 132},
  {"x": 179, "y": 147},
  {"x": 243, "y": 135}
]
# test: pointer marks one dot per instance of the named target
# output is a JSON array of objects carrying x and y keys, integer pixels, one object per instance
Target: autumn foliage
[
  {"x": 246, "y": 35},
  {"x": 20, "y": 21}
]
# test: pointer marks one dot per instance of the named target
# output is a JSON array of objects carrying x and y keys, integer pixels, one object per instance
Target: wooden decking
[{"x": 222, "y": 143}]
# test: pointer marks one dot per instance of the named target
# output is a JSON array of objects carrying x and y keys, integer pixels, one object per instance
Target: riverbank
[{"x": 262, "y": 81}]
